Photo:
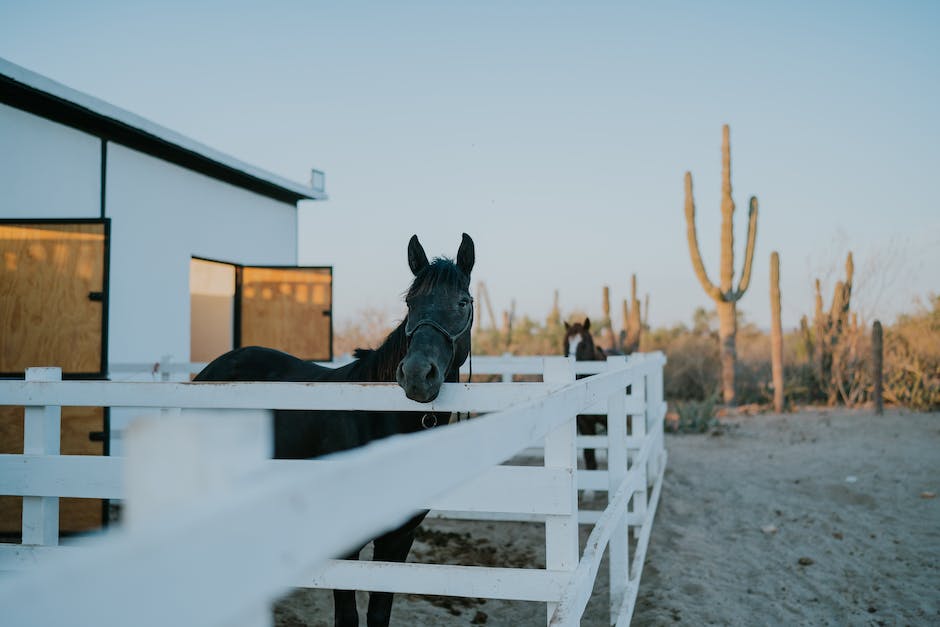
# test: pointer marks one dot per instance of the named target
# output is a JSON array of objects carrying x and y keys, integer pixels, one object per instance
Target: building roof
[{"x": 42, "y": 96}]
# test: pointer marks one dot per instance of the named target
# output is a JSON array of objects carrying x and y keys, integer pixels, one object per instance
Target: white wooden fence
[
  {"x": 506, "y": 366},
  {"x": 214, "y": 530}
]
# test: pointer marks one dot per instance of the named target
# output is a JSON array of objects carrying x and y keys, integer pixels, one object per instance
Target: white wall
[
  {"x": 47, "y": 170},
  {"x": 161, "y": 215}
]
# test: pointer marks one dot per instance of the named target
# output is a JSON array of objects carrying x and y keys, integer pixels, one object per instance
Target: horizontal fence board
[
  {"x": 80, "y": 476},
  {"x": 585, "y": 516},
  {"x": 482, "y": 364},
  {"x": 592, "y": 480},
  {"x": 512, "y": 489},
  {"x": 17, "y": 557},
  {"x": 508, "y": 489},
  {"x": 519, "y": 584},
  {"x": 478, "y": 397}
]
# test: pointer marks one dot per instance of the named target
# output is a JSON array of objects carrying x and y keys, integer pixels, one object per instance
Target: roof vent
[{"x": 317, "y": 181}]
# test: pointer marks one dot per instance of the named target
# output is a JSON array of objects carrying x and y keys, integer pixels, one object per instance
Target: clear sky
[{"x": 556, "y": 134}]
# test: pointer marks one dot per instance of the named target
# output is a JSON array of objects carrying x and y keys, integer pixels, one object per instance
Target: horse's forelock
[{"x": 442, "y": 272}]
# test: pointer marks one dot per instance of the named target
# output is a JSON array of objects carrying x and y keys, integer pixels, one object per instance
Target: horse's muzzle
[{"x": 420, "y": 378}]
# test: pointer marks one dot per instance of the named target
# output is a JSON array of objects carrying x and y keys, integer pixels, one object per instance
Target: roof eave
[{"x": 42, "y": 96}]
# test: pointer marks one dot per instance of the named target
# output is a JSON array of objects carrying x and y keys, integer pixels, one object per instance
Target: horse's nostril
[{"x": 432, "y": 372}]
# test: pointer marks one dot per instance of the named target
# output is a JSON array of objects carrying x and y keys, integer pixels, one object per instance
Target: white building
[{"x": 122, "y": 241}]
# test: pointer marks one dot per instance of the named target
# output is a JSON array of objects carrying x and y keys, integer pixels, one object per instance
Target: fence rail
[{"x": 198, "y": 489}]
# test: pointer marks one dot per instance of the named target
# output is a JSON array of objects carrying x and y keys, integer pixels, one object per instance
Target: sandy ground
[{"x": 803, "y": 519}]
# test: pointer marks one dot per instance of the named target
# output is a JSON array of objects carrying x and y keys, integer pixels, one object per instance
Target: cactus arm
[
  {"x": 849, "y": 274},
  {"x": 818, "y": 315},
  {"x": 726, "y": 276},
  {"x": 749, "y": 251},
  {"x": 697, "y": 264},
  {"x": 838, "y": 304}
]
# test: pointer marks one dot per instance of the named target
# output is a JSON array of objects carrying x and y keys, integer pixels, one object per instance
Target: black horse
[
  {"x": 578, "y": 341},
  {"x": 425, "y": 350}
]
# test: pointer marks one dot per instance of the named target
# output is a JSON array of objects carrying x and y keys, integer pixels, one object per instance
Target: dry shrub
[
  {"x": 912, "y": 359},
  {"x": 692, "y": 363},
  {"x": 368, "y": 329},
  {"x": 526, "y": 337},
  {"x": 695, "y": 416},
  {"x": 851, "y": 383},
  {"x": 752, "y": 372}
]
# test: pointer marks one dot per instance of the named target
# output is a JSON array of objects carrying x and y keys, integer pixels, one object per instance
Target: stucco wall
[
  {"x": 47, "y": 170},
  {"x": 161, "y": 215}
]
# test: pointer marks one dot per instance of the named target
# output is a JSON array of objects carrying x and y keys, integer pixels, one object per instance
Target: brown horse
[{"x": 578, "y": 342}]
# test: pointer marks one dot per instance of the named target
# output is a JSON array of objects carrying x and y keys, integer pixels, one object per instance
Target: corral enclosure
[{"x": 170, "y": 515}]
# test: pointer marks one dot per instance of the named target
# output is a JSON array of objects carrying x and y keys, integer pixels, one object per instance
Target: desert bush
[
  {"x": 692, "y": 372},
  {"x": 368, "y": 329},
  {"x": 693, "y": 367},
  {"x": 912, "y": 359},
  {"x": 752, "y": 374},
  {"x": 696, "y": 416}
]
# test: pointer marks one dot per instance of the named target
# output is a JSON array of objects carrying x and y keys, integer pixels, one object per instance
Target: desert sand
[{"x": 813, "y": 518}]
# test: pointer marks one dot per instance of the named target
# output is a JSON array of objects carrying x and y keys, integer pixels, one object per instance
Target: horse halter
[
  {"x": 429, "y": 420},
  {"x": 411, "y": 329}
]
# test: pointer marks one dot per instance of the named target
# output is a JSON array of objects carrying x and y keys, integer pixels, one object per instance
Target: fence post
[
  {"x": 561, "y": 532},
  {"x": 638, "y": 424},
  {"x": 165, "y": 362},
  {"x": 619, "y": 546},
  {"x": 174, "y": 460},
  {"x": 507, "y": 376},
  {"x": 655, "y": 400},
  {"x": 42, "y": 426}
]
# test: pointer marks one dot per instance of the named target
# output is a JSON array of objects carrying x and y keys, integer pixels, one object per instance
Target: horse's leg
[
  {"x": 587, "y": 425},
  {"x": 345, "y": 613},
  {"x": 392, "y": 547}
]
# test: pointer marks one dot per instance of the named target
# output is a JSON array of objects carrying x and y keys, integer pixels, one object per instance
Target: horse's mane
[{"x": 382, "y": 361}]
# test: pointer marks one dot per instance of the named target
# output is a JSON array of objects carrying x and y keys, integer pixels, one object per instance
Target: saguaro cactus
[
  {"x": 724, "y": 294},
  {"x": 877, "y": 361},
  {"x": 776, "y": 332},
  {"x": 830, "y": 328},
  {"x": 632, "y": 320},
  {"x": 554, "y": 317},
  {"x": 607, "y": 326}
]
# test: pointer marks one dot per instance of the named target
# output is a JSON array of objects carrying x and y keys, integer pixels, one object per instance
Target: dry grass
[{"x": 911, "y": 360}]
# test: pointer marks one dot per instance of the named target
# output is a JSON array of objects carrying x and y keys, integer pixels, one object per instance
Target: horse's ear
[
  {"x": 466, "y": 255},
  {"x": 587, "y": 324},
  {"x": 417, "y": 260}
]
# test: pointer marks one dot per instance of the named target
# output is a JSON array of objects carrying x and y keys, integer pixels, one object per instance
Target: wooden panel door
[
  {"x": 52, "y": 313},
  {"x": 52, "y": 287},
  {"x": 289, "y": 309}
]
